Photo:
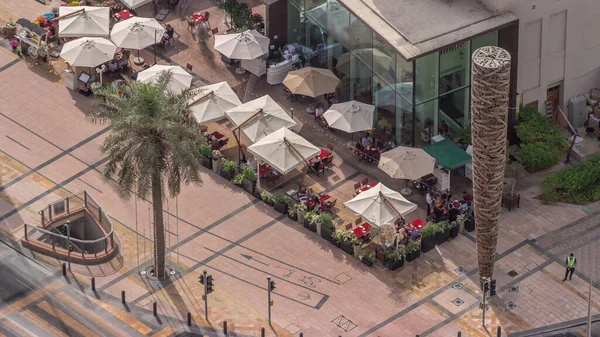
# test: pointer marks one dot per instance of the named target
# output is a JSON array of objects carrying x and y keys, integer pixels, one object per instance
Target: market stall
[{"x": 448, "y": 157}]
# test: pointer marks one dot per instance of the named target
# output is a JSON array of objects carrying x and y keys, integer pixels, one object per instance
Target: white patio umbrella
[
  {"x": 137, "y": 33},
  {"x": 284, "y": 150},
  {"x": 133, "y": 4},
  {"x": 406, "y": 163},
  {"x": 83, "y": 21},
  {"x": 311, "y": 81},
  {"x": 180, "y": 79},
  {"x": 259, "y": 118},
  {"x": 380, "y": 205},
  {"x": 88, "y": 51},
  {"x": 242, "y": 46},
  {"x": 212, "y": 101},
  {"x": 350, "y": 116}
]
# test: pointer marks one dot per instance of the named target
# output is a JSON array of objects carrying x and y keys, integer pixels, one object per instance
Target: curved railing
[{"x": 50, "y": 240}]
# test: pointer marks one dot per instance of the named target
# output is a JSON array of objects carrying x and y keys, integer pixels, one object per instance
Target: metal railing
[{"x": 70, "y": 205}]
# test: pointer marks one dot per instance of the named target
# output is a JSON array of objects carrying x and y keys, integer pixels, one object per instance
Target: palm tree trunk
[{"x": 159, "y": 228}]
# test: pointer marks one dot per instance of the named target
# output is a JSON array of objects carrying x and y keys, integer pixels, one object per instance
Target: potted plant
[
  {"x": 394, "y": 258},
  {"x": 367, "y": 256},
  {"x": 249, "y": 181},
  {"x": 238, "y": 179},
  {"x": 301, "y": 210},
  {"x": 267, "y": 197},
  {"x": 206, "y": 158},
  {"x": 442, "y": 232},
  {"x": 413, "y": 250},
  {"x": 344, "y": 241},
  {"x": 428, "y": 237},
  {"x": 293, "y": 212},
  {"x": 327, "y": 227},
  {"x": 309, "y": 220},
  {"x": 469, "y": 223},
  {"x": 216, "y": 160},
  {"x": 227, "y": 168},
  {"x": 282, "y": 203}
]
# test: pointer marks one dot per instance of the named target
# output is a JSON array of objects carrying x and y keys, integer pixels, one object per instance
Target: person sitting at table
[
  {"x": 316, "y": 165},
  {"x": 301, "y": 193},
  {"x": 112, "y": 66},
  {"x": 123, "y": 64},
  {"x": 313, "y": 203},
  {"x": 415, "y": 234},
  {"x": 452, "y": 213},
  {"x": 366, "y": 140},
  {"x": 467, "y": 197},
  {"x": 319, "y": 111}
]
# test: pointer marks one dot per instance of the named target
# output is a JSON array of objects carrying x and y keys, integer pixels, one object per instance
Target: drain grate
[
  {"x": 457, "y": 285},
  {"x": 510, "y": 305},
  {"x": 513, "y": 289},
  {"x": 458, "y": 302},
  {"x": 512, "y": 273},
  {"x": 460, "y": 270}
]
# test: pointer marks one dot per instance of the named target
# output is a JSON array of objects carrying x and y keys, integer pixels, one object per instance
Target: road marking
[
  {"x": 19, "y": 143},
  {"x": 42, "y": 323},
  {"x": 166, "y": 332},
  {"x": 123, "y": 316},
  {"x": 32, "y": 297},
  {"x": 9, "y": 64}
]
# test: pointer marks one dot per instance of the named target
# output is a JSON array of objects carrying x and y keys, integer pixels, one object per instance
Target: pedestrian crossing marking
[
  {"x": 166, "y": 332},
  {"x": 63, "y": 317},
  {"x": 32, "y": 297},
  {"x": 123, "y": 316},
  {"x": 33, "y": 318}
]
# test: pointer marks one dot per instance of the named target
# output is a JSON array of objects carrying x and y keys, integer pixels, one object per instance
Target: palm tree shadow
[{"x": 178, "y": 302}]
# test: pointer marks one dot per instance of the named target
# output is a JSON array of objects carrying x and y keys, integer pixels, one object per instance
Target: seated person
[
  {"x": 112, "y": 66},
  {"x": 415, "y": 234},
  {"x": 443, "y": 130},
  {"x": 302, "y": 192},
  {"x": 316, "y": 165},
  {"x": 123, "y": 64},
  {"x": 467, "y": 197},
  {"x": 366, "y": 140},
  {"x": 169, "y": 32},
  {"x": 319, "y": 111}
]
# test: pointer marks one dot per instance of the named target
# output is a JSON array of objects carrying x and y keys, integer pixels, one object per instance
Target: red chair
[
  {"x": 365, "y": 182},
  {"x": 356, "y": 186},
  {"x": 349, "y": 226},
  {"x": 330, "y": 147}
]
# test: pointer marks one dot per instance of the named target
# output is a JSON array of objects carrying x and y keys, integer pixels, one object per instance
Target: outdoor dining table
[
  {"x": 366, "y": 187},
  {"x": 311, "y": 201},
  {"x": 418, "y": 223},
  {"x": 124, "y": 15},
  {"x": 198, "y": 16},
  {"x": 264, "y": 169},
  {"x": 362, "y": 230},
  {"x": 324, "y": 154},
  {"x": 217, "y": 135}
]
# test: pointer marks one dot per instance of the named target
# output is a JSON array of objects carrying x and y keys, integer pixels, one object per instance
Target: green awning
[{"x": 447, "y": 154}]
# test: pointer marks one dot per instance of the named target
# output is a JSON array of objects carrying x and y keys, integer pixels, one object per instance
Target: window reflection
[
  {"x": 426, "y": 122},
  {"x": 454, "y": 67},
  {"x": 454, "y": 112},
  {"x": 426, "y": 77}
]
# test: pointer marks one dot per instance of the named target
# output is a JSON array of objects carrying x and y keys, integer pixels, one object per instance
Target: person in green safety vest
[{"x": 571, "y": 262}]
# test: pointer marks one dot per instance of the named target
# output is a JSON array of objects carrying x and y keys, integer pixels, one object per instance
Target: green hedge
[
  {"x": 578, "y": 184},
  {"x": 541, "y": 140}
]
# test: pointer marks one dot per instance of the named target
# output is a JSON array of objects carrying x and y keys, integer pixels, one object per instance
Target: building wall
[{"x": 559, "y": 44}]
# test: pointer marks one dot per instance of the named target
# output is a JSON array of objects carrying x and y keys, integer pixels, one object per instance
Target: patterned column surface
[{"x": 490, "y": 81}]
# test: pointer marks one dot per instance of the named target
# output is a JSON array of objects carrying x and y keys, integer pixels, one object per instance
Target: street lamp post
[{"x": 68, "y": 224}]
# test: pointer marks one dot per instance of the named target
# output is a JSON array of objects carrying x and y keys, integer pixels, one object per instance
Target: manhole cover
[
  {"x": 458, "y": 302},
  {"x": 512, "y": 273},
  {"x": 460, "y": 270},
  {"x": 510, "y": 305},
  {"x": 513, "y": 289},
  {"x": 457, "y": 285}
]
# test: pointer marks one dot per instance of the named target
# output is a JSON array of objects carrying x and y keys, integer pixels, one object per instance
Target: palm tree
[{"x": 152, "y": 146}]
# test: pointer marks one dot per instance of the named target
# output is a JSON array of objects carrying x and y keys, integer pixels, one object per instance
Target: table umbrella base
[
  {"x": 240, "y": 71},
  {"x": 138, "y": 61},
  {"x": 406, "y": 191}
]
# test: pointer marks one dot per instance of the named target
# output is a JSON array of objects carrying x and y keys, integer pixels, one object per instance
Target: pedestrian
[
  {"x": 571, "y": 262},
  {"x": 429, "y": 200}
]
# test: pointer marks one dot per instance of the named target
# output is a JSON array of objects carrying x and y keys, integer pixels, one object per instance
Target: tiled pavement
[{"x": 320, "y": 290}]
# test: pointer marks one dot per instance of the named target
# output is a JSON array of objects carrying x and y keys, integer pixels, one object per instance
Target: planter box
[
  {"x": 327, "y": 234},
  {"x": 511, "y": 201},
  {"x": 301, "y": 218},
  {"x": 356, "y": 250},
  {"x": 367, "y": 262},
  {"x": 347, "y": 247},
  {"x": 226, "y": 175},
  {"x": 428, "y": 244},
  {"x": 248, "y": 186},
  {"x": 443, "y": 237},
  {"x": 410, "y": 257},
  {"x": 310, "y": 226},
  {"x": 206, "y": 162},
  {"x": 394, "y": 264},
  {"x": 293, "y": 217},
  {"x": 454, "y": 232},
  {"x": 469, "y": 224},
  {"x": 281, "y": 207}
]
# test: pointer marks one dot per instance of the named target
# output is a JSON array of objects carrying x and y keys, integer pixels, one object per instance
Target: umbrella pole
[
  {"x": 257, "y": 173},
  {"x": 385, "y": 199},
  {"x": 239, "y": 147}
]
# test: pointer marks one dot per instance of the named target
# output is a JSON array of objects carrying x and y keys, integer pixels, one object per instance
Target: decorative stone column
[{"x": 490, "y": 82}]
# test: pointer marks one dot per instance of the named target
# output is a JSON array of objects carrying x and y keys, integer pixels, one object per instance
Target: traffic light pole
[
  {"x": 205, "y": 294},
  {"x": 69, "y": 244},
  {"x": 485, "y": 283},
  {"x": 269, "y": 296}
]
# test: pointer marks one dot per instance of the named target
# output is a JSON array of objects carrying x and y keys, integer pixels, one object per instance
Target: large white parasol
[
  {"x": 406, "y": 163},
  {"x": 284, "y": 150},
  {"x": 212, "y": 101},
  {"x": 136, "y": 33},
  {"x": 350, "y": 116},
  {"x": 380, "y": 205},
  {"x": 311, "y": 81},
  {"x": 180, "y": 79},
  {"x": 133, "y": 4},
  {"x": 259, "y": 118},
  {"x": 88, "y": 51},
  {"x": 242, "y": 46},
  {"x": 83, "y": 21}
]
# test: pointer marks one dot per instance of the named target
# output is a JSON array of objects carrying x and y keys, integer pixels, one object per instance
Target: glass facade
[{"x": 414, "y": 100}]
